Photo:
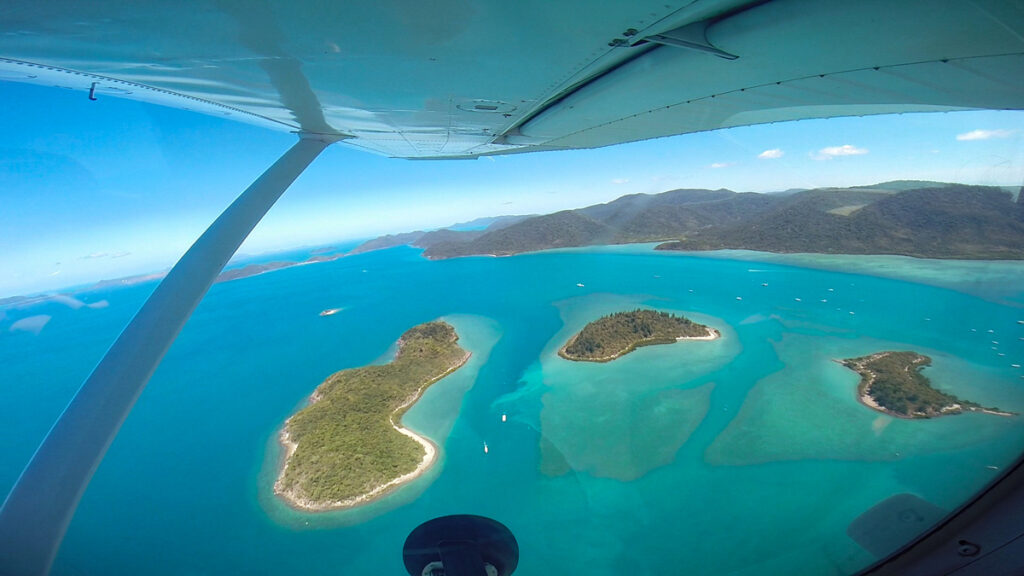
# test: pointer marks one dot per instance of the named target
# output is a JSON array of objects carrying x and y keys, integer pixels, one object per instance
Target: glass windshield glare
[{"x": 742, "y": 342}]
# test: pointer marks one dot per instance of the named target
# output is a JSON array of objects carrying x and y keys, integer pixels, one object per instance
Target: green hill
[
  {"x": 955, "y": 221},
  {"x": 913, "y": 218},
  {"x": 618, "y": 334},
  {"x": 558, "y": 230}
]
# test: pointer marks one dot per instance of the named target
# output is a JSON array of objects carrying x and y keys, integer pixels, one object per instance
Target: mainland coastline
[{"x": 426, "y": 354}]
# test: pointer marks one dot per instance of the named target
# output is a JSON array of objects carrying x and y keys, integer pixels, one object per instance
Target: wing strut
[{"x": 39, "y": 507}]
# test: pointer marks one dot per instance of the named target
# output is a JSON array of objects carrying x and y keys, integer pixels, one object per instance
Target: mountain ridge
[{"x": 913, "y": 218}]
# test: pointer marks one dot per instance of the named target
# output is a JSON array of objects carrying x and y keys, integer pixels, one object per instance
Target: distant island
[
  {"x": 347, "y": 447},
  {"x": 891, "y": 382},
  {"x": 910, "y": 218},
  {"x": 618, "y": 334},
  {"x": 252, "y": 270},
  {"x": 257, "y": 269}
]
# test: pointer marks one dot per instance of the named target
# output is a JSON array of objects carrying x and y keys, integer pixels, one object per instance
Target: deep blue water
[{"x": 748, "y": 454}]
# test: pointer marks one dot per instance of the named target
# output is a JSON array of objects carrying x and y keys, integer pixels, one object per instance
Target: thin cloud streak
[
  {"x": 985, "y": 134},
  {"x": 830, "y": 152}
]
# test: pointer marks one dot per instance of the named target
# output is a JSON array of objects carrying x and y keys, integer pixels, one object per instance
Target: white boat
[{"x": 485, "y": 447}]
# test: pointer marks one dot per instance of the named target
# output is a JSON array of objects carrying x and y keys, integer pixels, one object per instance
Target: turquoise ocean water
[{"x": 745, "y": 455}]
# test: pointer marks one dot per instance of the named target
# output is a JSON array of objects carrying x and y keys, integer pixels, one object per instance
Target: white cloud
[
  {"x": 985, "y": 134},
  {"x": 96, "y": 255},
  {"x": 771, "y": 154},
  {"x": 717, "y": 165},
  {"x": 620, "y": 180},
  {"x": 831, "y": 152}
]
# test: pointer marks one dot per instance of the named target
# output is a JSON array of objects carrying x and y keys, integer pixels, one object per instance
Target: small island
[
  {"x": 891, "y": 382},
  {"x": 618, "y": 334},
  {"x": 348, "y": 447}
]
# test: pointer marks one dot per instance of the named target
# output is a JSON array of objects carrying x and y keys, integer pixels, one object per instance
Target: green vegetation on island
[
  {"x": 951, "y": 221},
  {"x": 347, "y": 446},
  {"x": 892, "y": 382},
  {"x": 620, "y": 333},
  {"x": 921, "y": 219}
]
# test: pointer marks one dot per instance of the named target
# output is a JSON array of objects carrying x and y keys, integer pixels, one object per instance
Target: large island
[
  {"x": 891, "y": 382},
  {"x": 617, "y": 334},
  {"x": 347, "y": 447}
]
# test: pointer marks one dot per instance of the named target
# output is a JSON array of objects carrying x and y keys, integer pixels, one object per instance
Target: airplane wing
[{"x": 463, "y": 78}]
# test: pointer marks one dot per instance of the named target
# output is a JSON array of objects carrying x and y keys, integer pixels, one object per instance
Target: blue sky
[{"x": 96, "y": 190}]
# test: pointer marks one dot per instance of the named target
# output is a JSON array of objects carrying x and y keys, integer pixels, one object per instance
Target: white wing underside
[{"x": 463, "y": 78}]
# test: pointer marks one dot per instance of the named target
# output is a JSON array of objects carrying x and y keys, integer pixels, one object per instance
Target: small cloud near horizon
[
  {"x": 112, "y": 255},
  {"x": 830, "y": 152},
  {"x": 771, "y": 154},
  {"x": 620, "y": 180},
  {"x": 985, "y": 134},
  {"x": 717, "y": 165}
]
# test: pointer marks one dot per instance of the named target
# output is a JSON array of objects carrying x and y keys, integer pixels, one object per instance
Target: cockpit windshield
[{"x": 733, "y": 352}]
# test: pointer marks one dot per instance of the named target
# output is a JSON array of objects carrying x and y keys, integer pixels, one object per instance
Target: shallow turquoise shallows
[{"x": 749, "y": 454}]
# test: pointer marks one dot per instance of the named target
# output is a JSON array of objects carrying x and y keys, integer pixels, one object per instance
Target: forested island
[
  {"x": 347, "y": 447},
  {"x": 891, "y": 382},
  {"x": 618, "y": 334}
]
